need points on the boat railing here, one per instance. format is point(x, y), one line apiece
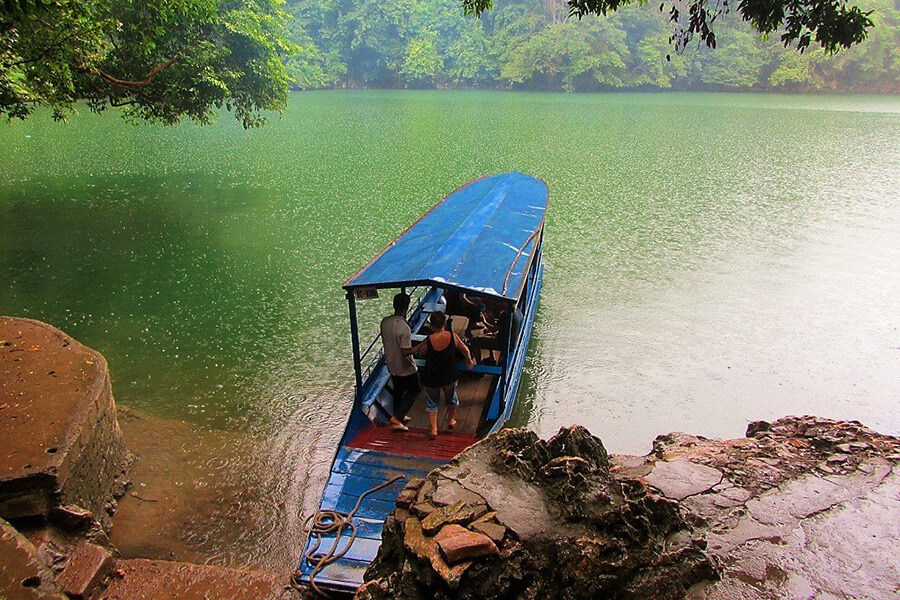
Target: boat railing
point(373, 363)
point(365, 353)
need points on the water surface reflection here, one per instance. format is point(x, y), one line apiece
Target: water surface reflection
point(711, 259)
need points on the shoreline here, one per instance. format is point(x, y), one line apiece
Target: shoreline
point(740, 502)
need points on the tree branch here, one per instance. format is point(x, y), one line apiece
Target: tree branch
point(138, 84)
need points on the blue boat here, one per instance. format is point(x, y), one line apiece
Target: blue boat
point(483, 240)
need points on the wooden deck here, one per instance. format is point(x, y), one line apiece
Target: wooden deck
point(473, 398)
point(414, 442)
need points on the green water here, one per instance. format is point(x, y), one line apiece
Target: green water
point(711, 259)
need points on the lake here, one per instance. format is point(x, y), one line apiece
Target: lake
point(711, 259)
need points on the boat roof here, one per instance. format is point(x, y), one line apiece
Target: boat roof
point(480, 238)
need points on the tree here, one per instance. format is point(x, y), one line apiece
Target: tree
point(162, 61)
point(832, 23)
point(165, 60)
point(421, 63)
point(736, 64)
point(472, 57)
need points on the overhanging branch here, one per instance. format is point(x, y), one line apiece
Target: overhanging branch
point(138, 84)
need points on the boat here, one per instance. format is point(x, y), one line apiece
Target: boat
point(485, 240)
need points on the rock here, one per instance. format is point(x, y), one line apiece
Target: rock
point(62, 440)
point(746, 518)
point(414, 484)
point(414, 538)
point(425, 491)
point(458, 544)
point(564, 477)
point(487, 517)
point(679, 479)
point(737, 494)
point(73, 518)
point(611, 537)
point(671, 445)
point(492, 530)
point(86, 569)
point(406, 497)
point(756, 427)
point(457, 513)
point(577, 442)
point(410, 492)
point(426, 548)
point(449, 491)
point(423, 509)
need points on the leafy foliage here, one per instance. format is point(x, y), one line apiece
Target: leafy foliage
point(535, 44)
point(422, 62)
point(834, 24)
point(162, 60)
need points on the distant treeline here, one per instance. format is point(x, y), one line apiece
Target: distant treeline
point(530, 44)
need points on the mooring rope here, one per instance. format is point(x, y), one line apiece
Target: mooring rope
point(326, 522)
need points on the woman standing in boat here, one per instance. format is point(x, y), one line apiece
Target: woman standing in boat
point(439, 373)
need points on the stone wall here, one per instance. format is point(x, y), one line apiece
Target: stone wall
point(62, 443)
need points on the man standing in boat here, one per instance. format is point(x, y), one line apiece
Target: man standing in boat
point(396, 335)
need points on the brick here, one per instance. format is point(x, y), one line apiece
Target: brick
point(492, 530)
point(459, 544)
point(86, 569)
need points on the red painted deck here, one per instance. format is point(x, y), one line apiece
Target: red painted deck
point(414, 442)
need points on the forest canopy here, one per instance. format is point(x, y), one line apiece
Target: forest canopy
point(537, 44)
point(164, 60)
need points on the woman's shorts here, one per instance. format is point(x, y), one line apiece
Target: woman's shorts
point(433, 396)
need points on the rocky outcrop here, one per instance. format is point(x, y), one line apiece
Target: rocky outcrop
point(61, 470)
point(803, 507)
point(800, 508)
point(62, 443)
point(518, 517)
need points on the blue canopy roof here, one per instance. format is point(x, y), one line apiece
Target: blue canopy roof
point(479, 238)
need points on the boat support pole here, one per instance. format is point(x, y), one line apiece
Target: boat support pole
point(507, 345)
point(354, 339)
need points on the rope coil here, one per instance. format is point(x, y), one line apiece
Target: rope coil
point(325, 522)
